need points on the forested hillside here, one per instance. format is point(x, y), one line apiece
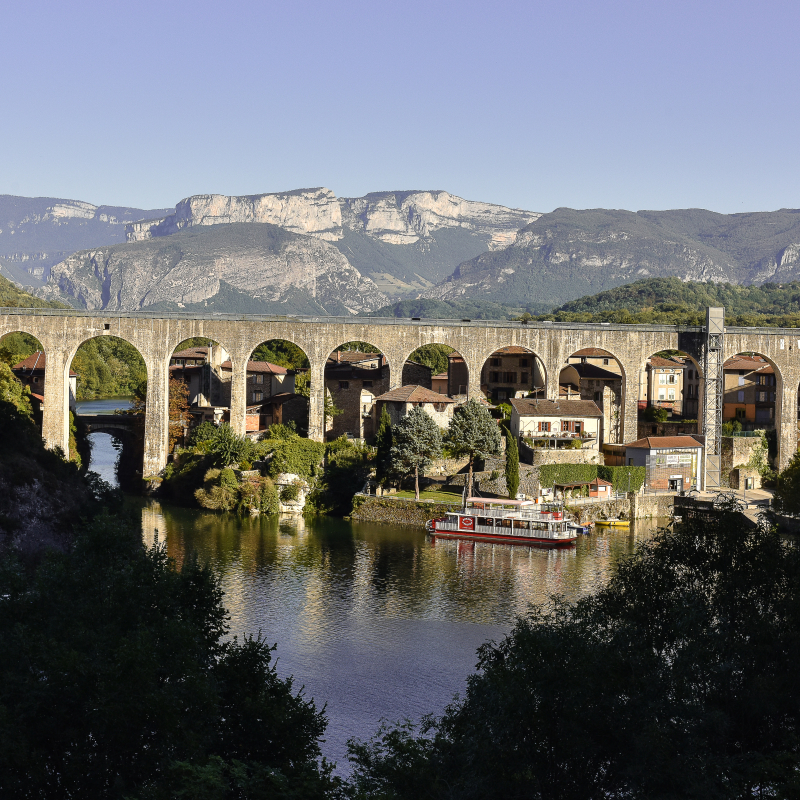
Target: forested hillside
point(12, 296)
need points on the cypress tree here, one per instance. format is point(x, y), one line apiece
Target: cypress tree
point(512, 465)
point(383, 441)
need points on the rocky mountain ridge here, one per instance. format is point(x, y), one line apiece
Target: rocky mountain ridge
point(567, 254)
point(391, 217)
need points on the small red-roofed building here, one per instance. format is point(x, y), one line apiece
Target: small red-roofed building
point(673, 463)
point(398, 402)
point(30, 372)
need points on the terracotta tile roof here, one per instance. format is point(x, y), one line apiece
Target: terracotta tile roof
point(658, 361)
point(342, 356)
point(181, 368)
point(191, 352)
point(556, 408)
point(440, 376)
point(258, 366)
point(665, 442)
point(593, 371)
point(513, 350)
point(594, 352)
point(414, 394)
point(36, 362)
point(744, 362)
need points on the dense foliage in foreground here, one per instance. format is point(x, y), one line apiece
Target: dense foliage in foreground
point(678, 680)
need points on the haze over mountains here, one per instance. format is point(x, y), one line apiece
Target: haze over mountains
point(309, 251)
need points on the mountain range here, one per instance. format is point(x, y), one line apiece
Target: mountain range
point(426, 253)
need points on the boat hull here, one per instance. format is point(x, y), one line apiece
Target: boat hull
point(494, 537)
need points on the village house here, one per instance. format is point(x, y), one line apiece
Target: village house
point(673, 463)
point(353, 381)
point(749, 391)
point(30, 372)
point(592, 374)
point(511, 372)
point(457, 376)
point(557, 424)
point(398, 402)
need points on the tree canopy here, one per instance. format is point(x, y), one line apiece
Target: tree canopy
point(473, 432)
point(677, 680)
point(416, 441)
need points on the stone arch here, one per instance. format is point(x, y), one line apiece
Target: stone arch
point(458, 371)
point(278, 393)
point(354, 377)
point(678, 373)
point(136, 372)
point(523, 362)
point(746, 377)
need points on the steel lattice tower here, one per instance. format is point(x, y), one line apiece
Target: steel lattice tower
point(714, 391)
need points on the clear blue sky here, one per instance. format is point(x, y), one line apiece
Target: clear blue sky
point(530, 104)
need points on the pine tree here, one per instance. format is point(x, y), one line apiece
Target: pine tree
point(417, 440)
point(383, 442)
point(512, 465)
point(472, 433)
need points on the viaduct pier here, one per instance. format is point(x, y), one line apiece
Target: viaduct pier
point(156, 335)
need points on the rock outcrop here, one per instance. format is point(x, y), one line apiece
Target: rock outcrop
point(283, 272)
point(392, 217)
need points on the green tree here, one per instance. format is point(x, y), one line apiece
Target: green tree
point(655, 414)
point(17, 346)
point(512, 465)
point(383, 445)
point(120, 681)
point(12, 391)
point(473, 432)
point(417, 440)
point(786, 498)
point(433, 356)
point(676, 680)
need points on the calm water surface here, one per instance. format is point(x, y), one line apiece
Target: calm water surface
point(374, 620)
point(104, 453)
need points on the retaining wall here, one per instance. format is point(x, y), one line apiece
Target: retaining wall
point(398, 510)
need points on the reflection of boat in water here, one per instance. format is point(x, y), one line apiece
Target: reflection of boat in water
point(509, 521)
point(613, 523)
point(578, 528)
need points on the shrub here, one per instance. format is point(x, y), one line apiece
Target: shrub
point(202, 433)
point(228, 448)
point(655, 414)
point(297, 456)
point(245, 465)
point(220, 490)
point(279, 430)
point(290, 493)
point(258, 494)
point(575, 444)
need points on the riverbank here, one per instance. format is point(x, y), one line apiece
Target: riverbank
point(398, 510)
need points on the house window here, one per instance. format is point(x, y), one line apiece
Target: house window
point(598, 395)
point(258, 397)
point(523, 378)
point(344, 384)
point(36, 380)
point(662, 394)
point(523, 362)
point(741, 380)
point(605, 362)
point(630, 462)
point(495, 362)
point(671, 394)
point(509, 377)
point(671, 379)
point(662, 379)
point(367, 384)
point(740, 413)
point(544, 427)
point(583, 359)
point(740, 396)
point(493, 377)
point(439, 406)
point(762, 397)
point(258, 379)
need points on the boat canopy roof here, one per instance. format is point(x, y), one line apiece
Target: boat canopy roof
point(500, 501)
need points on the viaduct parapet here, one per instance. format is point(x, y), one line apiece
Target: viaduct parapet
point(156, 336)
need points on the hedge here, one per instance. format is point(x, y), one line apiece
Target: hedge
point(618, 476)
point(550, 474)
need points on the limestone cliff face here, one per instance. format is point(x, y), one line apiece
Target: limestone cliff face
point(311, 211)
point(407, 217)
point(283, 271)
point(392, 217)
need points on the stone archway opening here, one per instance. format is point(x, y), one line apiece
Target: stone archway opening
point(22, 373)
point(108, 377)
point(513, 372)
point(449, 374)
point(357, 374)
point(597, 376)
point(750, 389)
point(670, 390)
point(277, 387)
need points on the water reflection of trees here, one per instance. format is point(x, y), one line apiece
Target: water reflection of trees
point(330, 568)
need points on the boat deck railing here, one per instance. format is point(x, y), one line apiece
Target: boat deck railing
point(516, 513)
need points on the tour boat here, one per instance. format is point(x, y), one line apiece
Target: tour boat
point(508, 521)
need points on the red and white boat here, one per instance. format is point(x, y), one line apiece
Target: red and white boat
point(498, 520)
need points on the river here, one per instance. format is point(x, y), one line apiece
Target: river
point(376, 621)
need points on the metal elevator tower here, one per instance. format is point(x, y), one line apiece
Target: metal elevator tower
point(714, 390)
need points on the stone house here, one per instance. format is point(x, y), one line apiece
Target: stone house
point(589, 381)
point(511, 372)
point(398, 402)
point(673, 463)
point(671, 383)
point(556, 424)
point(457, 376)
point(749, 391)
point(30, 373)
point(354, 380)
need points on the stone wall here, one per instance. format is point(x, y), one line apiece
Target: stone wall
point(397, 510)
point(536, 456)
point(634, 507)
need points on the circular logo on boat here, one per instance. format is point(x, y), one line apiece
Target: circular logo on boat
point(466, 523)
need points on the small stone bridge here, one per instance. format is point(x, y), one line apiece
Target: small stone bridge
point(156, 335)
point(114, 424)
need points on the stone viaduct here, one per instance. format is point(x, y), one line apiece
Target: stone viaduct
point(155, 335)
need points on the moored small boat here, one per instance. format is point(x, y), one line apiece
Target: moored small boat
point(508, 521)
point(613, 523)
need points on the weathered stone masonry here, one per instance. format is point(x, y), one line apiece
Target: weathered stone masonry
point(61, 332)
